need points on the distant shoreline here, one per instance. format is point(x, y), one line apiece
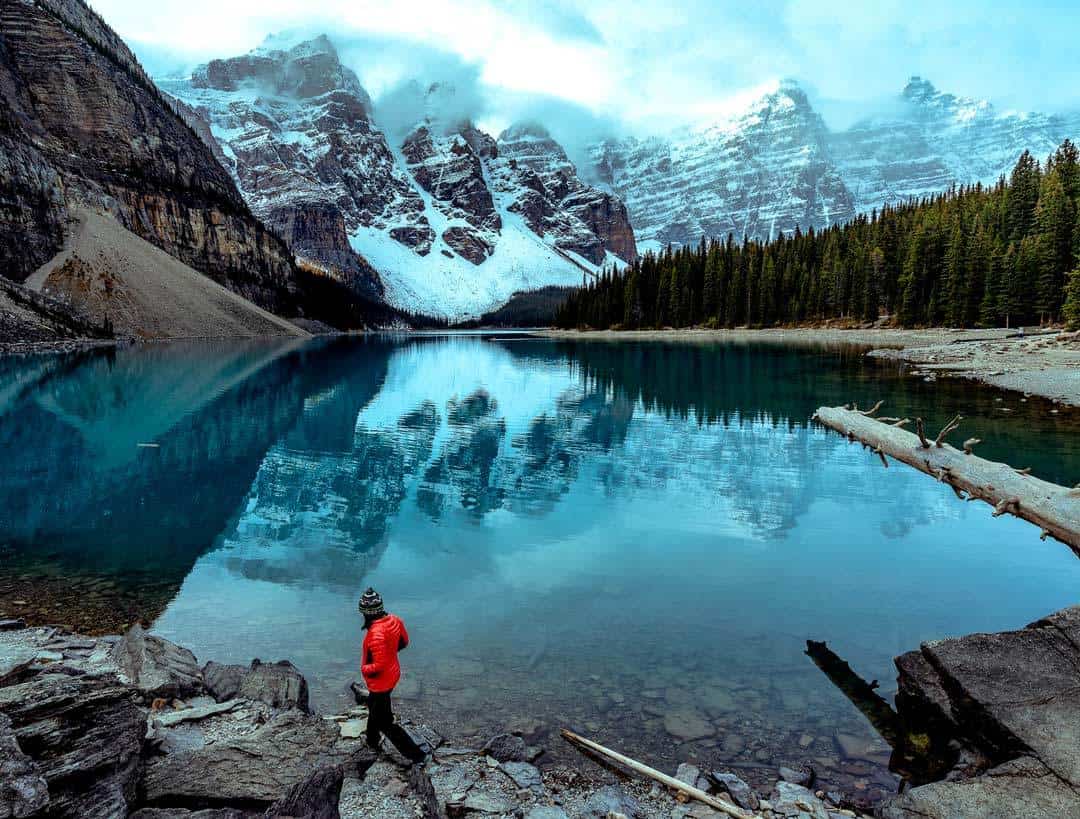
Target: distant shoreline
point(1043, 364)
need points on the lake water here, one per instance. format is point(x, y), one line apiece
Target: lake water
point(634, 539)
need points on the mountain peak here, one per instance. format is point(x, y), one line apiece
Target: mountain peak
point(305, 69)
point(524, 130)
point(919, 90)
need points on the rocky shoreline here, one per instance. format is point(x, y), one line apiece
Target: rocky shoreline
point(133, 725)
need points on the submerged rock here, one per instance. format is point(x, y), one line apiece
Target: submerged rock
point(688, 724)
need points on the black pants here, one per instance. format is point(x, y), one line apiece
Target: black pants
point(381, 721)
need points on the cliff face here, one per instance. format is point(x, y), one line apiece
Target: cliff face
point(81, 125)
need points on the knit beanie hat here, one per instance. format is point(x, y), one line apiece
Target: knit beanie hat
point(371, 602)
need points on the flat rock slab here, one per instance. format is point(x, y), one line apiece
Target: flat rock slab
point(259, 767)
point(168, 719)
point(1021, 788)
point(1018, 691)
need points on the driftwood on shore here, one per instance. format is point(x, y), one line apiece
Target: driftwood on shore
point(1054, 509)
point(670, 781)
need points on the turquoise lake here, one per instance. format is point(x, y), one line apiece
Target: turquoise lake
point(634, 539)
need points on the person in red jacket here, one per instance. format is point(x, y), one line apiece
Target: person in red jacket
point(384, 637)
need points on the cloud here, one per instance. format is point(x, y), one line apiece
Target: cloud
point(653, 59)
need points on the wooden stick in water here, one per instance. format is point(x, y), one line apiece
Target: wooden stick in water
point(662, 778)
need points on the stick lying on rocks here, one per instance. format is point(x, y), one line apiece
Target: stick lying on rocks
point(662, 778)
point(1054, 509)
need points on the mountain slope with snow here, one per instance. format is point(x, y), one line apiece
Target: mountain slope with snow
point(774, 164)
point(434, 220)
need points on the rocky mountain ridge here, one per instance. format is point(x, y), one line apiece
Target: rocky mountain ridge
point(453, 220)
point(82, 126)
point(775, 163)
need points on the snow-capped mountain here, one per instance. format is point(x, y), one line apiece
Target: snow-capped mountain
point(443, 220)
point(761, 171)
point(774, 164)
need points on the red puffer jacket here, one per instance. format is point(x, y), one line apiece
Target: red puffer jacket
point(379, 661)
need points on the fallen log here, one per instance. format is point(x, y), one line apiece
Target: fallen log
point(675, 784)
point(1054, 509)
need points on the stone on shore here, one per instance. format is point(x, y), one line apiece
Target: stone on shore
point(168, 719)
point(156, 667)
point(506, 748)
point(523, 775)
point(741, 793)
point(223, 681)
point(279, 685)
point(612, 799)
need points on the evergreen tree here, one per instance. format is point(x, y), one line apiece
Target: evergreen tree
point(1071, 310)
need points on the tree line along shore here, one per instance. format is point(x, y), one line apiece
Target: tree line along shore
point(1006, 255)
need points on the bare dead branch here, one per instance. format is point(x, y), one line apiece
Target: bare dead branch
point(1011, 505)
point(949, 427)
point(920, 430)
point(868, 413)
point(970, 444)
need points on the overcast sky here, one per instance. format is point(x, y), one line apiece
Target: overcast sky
point(643, 59)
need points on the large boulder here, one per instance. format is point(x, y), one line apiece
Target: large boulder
point(316, 797)
point(1007, 694)
point(1020, 788)
point(1010, 700)
point(222, 682)
point(156, 667)
point(280, 685)
point(23, 789)
point(84, 735)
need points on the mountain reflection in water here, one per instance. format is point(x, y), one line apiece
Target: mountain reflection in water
point(635, 538)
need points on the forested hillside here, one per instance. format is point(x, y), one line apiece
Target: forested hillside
point(973, 256)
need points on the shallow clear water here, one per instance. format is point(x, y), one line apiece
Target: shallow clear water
point(635, 539)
